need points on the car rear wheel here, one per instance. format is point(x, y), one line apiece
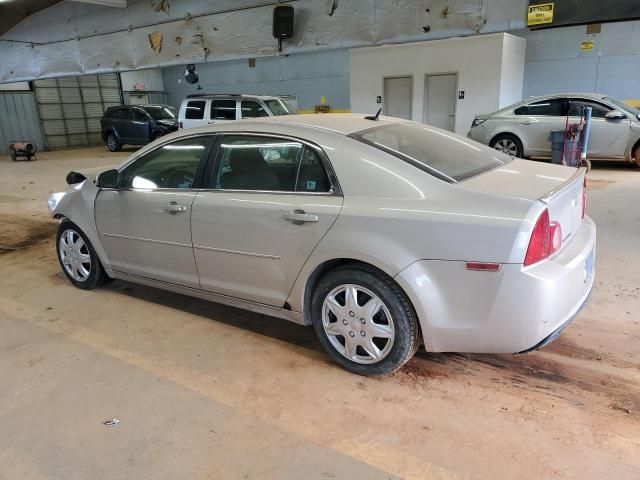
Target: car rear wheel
point(78, 259)
point(636, 155)
point(364, 321)
point(509, 144)
point(113, 144)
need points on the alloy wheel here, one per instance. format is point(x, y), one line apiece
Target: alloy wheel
point(112, 143)
point(74, 255)
point(506, 145)
point(358, 324)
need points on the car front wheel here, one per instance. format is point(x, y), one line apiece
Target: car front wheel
point(113, 144)
point(364, 321)
point(509, 144)
point(77, 257)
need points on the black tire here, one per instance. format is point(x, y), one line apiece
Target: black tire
point(97, 276)
point(508, 138)
point(113, 144)
point(156, 135)
point(406, 337)
point(636, 156)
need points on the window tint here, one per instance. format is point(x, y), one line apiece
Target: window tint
point(195, 110)
point(140, 116)
point(251, 109)
point(312, 176)
point(170, 166)
point(444, 155)
point(123, 114)
point(280, 107)
point(223, 110)
point(551, 107)
point(257, 163)
point(597, 109)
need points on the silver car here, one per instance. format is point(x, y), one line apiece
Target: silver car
point(523, 129)
point(381, 233)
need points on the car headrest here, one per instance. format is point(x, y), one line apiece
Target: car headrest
point(247, 160)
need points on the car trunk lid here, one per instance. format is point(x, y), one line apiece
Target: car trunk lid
point(559, 188)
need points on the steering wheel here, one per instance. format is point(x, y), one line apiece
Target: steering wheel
point(178, 178)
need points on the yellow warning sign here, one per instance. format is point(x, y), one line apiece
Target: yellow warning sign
point(540, 14)
point(587, 45)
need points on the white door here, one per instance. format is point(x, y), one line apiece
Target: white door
point(440, 101)
point(398, 95)
point(194, 113)
point(607, 138)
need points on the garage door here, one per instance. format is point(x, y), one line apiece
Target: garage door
point(70, 108)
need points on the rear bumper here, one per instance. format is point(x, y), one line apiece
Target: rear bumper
point(514, 310)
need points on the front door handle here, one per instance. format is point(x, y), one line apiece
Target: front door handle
point(173, 207)
point(299, 216)
point(526, 122)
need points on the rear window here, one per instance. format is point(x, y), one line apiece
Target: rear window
point(195, 110)
point(443, 154)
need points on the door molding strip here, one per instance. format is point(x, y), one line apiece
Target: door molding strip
point(150, 240)
point(238, 252)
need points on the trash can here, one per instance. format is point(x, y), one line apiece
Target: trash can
point(557, 144)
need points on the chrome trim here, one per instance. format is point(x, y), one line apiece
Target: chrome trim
point(150, 240)
point(238, 252)
point(330, 193)
point(549, 196)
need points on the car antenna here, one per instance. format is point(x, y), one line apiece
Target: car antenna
point(374, 117)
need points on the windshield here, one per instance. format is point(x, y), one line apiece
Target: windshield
point(280, 107)
point(443, 154)
point(624, 107)
point(161, 113)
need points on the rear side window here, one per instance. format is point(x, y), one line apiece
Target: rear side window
point(251, 109)
point(269, 164)
point(445, 155)
point(110, 113)
point(140, 116)
point(550, 108)
point(223, 109)
point(195, 110)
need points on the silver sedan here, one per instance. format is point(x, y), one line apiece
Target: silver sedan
point(523, 129)
point(381, 233)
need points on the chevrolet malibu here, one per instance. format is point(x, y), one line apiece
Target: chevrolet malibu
point(383, 234)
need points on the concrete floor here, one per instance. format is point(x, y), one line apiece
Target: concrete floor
point(206, 391)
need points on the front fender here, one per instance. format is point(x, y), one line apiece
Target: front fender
point(77, 204)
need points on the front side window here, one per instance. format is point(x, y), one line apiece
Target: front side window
point(161, 112)
point(223, 110)
point(140, 116)
point(171, 166)
point(444, 155)
point(251, 109)
point(280, 107)
point(548, 108)
point(597, 109)
point(195, 110)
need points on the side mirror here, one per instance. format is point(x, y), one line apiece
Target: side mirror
point(108, 179)
point(615, 115)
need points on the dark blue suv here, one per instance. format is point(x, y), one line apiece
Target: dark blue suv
point(137, 124)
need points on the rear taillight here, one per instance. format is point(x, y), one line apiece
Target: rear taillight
point(584, 196)
point(546, 238)
point(180, 125)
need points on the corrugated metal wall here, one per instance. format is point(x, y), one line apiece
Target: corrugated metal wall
point(70, 108)
point(19, 120)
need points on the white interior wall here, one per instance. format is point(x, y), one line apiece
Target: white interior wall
point(477, 60)
point(512, 70)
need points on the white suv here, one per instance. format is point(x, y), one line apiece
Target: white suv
point(204, 109)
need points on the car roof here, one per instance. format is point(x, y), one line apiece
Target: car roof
point(343, 123)
point(228, 95)
point(590, 96)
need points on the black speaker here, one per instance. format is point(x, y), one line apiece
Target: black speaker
point(283, 21)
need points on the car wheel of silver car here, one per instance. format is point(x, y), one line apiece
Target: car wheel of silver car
point(364, 320)
point(77, 257)
point(113, 144)
point(509, 144)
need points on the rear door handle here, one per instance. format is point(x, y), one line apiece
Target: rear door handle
point(173, 207)
point(298, 217)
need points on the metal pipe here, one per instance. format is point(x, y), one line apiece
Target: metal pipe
point(585, 133)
